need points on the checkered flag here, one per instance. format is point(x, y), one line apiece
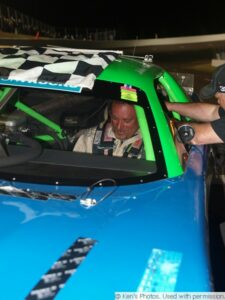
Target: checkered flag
point(61, 66)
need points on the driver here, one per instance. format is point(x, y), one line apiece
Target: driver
point(119, 135)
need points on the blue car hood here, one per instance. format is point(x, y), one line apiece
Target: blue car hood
point(154, 228)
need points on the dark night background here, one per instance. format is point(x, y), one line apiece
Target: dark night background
point(143, 19)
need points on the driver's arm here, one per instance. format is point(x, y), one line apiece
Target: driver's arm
point(85, 141)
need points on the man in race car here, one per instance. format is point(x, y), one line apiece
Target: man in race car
point(119, 135)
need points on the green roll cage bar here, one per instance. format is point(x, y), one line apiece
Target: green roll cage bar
point(7, 92)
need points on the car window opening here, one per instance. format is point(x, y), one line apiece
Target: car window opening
point(54, 120)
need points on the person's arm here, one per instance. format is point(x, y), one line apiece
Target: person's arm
point(85, 141)
point(203, 134)
point(204, 112)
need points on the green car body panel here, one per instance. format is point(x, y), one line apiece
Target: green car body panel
point(137, 74)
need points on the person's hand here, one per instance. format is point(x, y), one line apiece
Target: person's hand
point(168, 106)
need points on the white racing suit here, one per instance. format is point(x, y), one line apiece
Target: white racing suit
point(101, 140)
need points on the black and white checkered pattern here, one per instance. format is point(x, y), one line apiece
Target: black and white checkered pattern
point(63, 66)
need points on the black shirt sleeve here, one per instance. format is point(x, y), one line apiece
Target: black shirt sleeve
point(221, 112)
point(219, 125)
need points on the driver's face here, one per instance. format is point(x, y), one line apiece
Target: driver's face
point(123, 119)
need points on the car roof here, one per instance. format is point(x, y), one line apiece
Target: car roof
point(72, 70)
point(132, 71)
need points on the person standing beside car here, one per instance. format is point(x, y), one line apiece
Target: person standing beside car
point(209, 124)
point(119, 135)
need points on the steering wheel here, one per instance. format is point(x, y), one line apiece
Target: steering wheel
point(31, 149)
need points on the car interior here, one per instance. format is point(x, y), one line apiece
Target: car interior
point(38, 130)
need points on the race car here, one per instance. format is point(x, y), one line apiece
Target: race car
point(85, 225)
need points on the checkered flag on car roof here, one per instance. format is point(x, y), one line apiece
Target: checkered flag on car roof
point(56, 66)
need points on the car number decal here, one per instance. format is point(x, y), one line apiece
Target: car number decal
point(35, 195)
point(56, 277)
